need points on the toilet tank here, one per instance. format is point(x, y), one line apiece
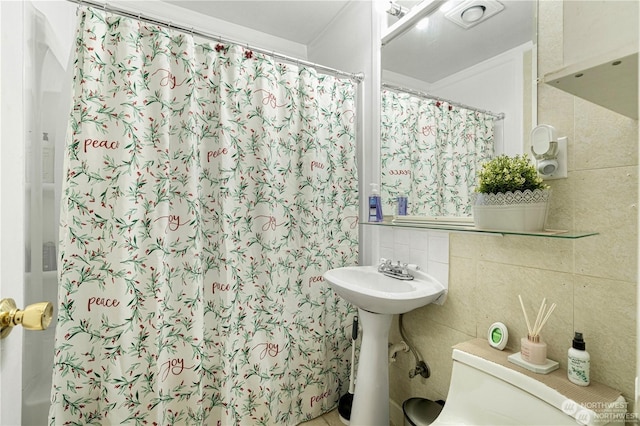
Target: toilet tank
point(485, 393)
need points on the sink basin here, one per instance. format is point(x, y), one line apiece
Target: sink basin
point(378, 297)
point(368, 289)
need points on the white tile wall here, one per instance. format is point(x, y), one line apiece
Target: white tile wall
point(426, 248)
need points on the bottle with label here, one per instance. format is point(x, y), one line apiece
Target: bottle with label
point(402, 204)
point(49, 256)
point(578, 362)
point(375, 204)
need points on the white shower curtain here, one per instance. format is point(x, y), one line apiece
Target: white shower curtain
point(206, 189)
point(430, 151)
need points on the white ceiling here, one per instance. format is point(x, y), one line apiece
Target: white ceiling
point(445, 48)
point(442, 50)
point(300, 21)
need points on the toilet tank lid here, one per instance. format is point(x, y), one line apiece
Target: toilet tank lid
point(515, 378)
point(539, 389)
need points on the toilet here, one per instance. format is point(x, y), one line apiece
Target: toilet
point(484, 392)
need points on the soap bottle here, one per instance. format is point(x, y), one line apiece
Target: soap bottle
point(402, 204)
point(49, 256)
point(375, 204)
point(578, 362)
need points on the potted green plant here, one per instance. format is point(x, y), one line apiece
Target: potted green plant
point(510, 196)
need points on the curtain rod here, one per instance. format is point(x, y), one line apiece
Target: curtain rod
point(357, 77)
point(496, 116)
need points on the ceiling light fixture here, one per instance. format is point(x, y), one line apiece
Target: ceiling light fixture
point(396, 10)
point(417, 12)
point(472, 14)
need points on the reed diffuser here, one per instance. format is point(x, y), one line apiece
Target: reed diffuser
point(532, 348)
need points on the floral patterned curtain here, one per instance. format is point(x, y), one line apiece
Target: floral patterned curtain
point(207, 189)
point(430, 151)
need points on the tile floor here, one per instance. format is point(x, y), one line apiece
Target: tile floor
point(332, 418)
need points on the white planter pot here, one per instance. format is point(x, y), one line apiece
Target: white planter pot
point(511, 211)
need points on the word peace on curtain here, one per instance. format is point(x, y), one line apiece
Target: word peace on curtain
point(206, 190)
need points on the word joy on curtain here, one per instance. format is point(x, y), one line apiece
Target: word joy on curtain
point(206, 190)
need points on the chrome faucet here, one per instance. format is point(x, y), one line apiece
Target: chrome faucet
point(398, 271)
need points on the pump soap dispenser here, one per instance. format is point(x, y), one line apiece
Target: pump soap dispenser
point(375, 204)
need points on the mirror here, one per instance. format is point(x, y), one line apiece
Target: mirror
point(457, 83)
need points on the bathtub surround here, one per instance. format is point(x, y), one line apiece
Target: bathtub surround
point(207, 188)
point(593, 280)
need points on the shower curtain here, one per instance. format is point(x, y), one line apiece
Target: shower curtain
point(206, 190)
point(430, 151)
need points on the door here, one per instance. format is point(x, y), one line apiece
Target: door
point(11, 202)
point(36, 44)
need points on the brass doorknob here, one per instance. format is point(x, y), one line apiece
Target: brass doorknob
point(34, 317)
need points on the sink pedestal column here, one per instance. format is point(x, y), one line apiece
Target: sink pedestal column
point(371, 395)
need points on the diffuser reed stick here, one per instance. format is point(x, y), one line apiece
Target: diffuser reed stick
point(541, 318)
point(526, 318)
point(546, 317)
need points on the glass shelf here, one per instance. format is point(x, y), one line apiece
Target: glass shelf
point(469, 229)
point(45, 186)
point(45, 274)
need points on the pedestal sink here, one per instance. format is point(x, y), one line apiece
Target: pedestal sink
point(378, 297)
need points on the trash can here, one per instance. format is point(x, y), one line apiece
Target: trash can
point(420, 411)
